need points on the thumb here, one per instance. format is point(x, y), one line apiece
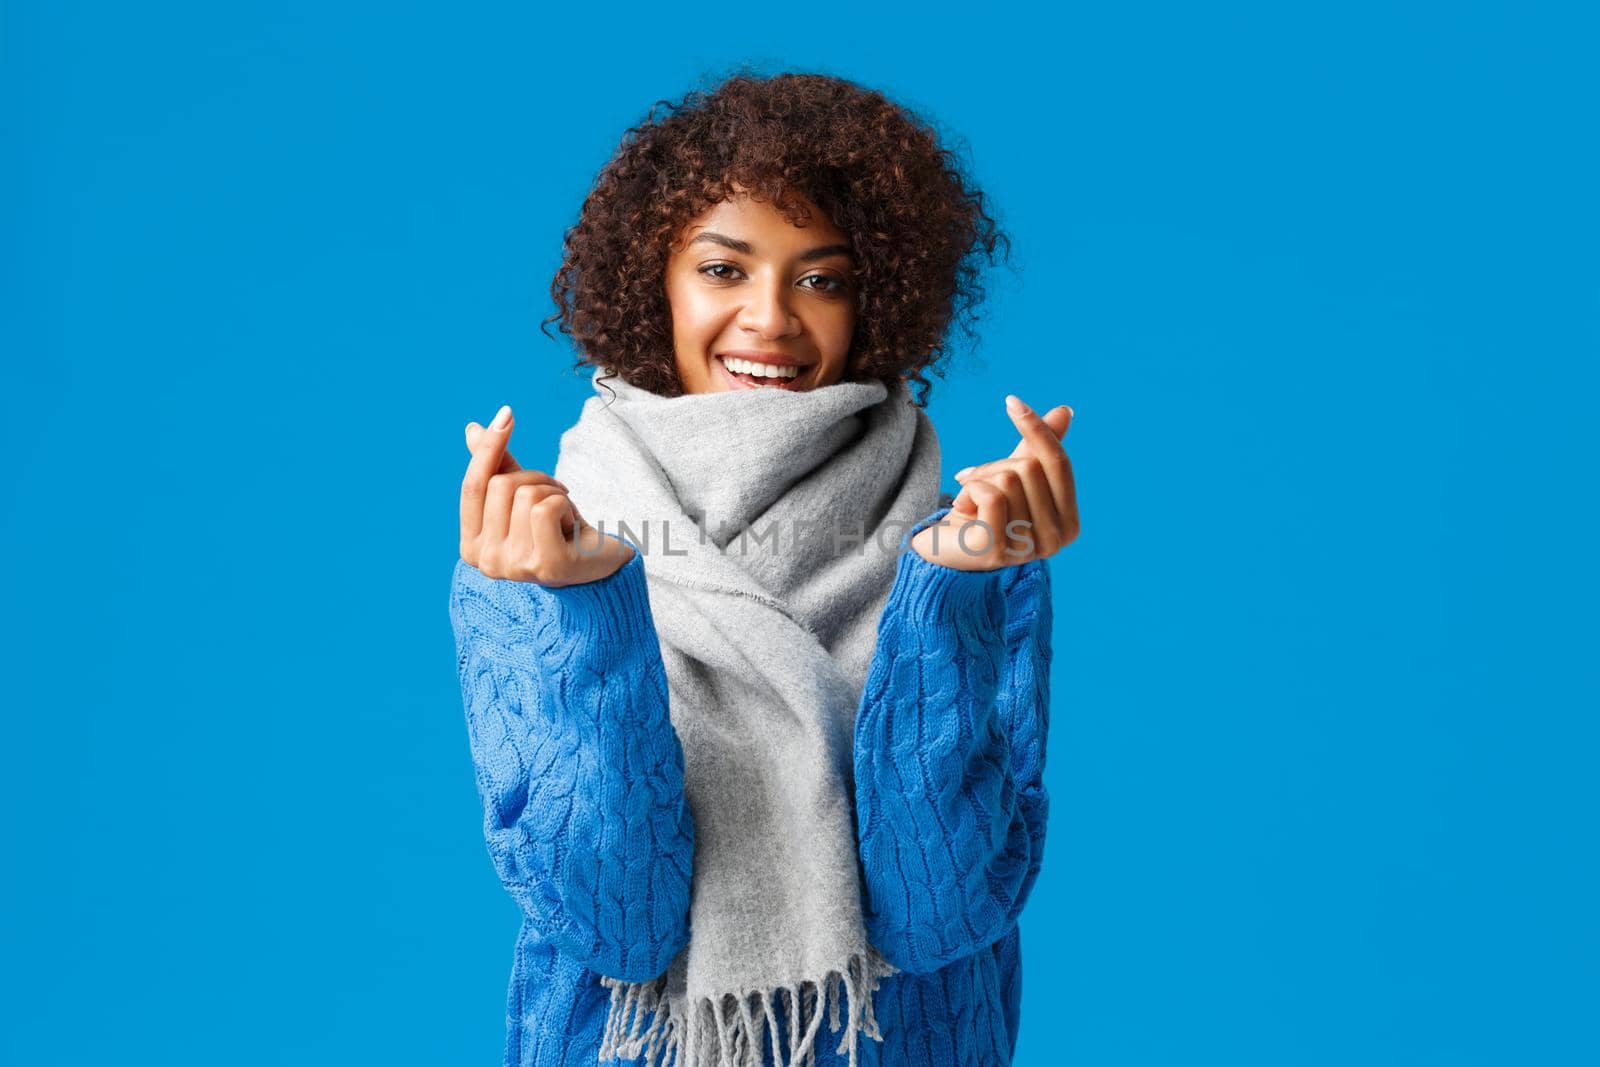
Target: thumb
point(476, 438)
point(1058, 418)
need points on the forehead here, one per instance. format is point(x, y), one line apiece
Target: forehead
point(762, 226)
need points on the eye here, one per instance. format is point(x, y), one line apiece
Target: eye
point(834, 284)
point(710, 267)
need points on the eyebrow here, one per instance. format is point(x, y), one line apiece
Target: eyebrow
point(820, 252)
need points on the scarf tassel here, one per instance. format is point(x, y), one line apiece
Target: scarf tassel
point(730, 1031)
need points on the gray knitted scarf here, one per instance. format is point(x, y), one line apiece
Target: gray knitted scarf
point(770, 524)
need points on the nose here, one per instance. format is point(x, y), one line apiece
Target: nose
point(767, 313)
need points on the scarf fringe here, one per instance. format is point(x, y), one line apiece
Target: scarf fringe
point(729, 1031)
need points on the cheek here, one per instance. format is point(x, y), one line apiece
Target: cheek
point(695, 314)
point(841, 328)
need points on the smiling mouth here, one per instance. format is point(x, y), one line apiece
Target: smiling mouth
point(748, 374)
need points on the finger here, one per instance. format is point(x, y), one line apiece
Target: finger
point(1042, 515)
point(1010, 481)
point(1058, 418)
point(1039, 438)
point(1066, 497)
point(1045, 446)
point(1063, 499)
point(508, 462)
point(485, 463)
point(551, 521)
point(983, 470)
point(963, 503)
point(976, 543)
point(1042, 506)
point(501, 495)
point(520, 543)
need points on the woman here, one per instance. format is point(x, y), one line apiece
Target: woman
point(736, 788)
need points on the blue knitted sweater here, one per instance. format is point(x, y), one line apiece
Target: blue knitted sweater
point(581, 777)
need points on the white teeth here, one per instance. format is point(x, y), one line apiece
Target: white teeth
point(760, 370)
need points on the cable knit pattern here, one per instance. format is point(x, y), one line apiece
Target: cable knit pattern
point(581, 778)
point(952, 823)
point(579, 770)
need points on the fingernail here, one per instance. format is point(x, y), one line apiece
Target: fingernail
point(1015, 405)
point(501, 417)
point(962, 473)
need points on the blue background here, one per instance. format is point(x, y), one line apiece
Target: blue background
point(1321, 285)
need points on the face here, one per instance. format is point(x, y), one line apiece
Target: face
point(759, 303)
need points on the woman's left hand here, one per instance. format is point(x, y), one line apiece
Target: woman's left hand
point(1027, 501)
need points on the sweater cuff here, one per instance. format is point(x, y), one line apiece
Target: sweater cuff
point(615, 608)
point(933, 594)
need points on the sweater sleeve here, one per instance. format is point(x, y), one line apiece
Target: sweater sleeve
point(949, 758)
point(578, 767)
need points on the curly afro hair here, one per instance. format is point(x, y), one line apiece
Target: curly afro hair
point(916, 223)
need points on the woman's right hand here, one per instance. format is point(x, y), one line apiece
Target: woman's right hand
point(521, 524)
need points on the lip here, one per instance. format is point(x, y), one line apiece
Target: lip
point(792, 385)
